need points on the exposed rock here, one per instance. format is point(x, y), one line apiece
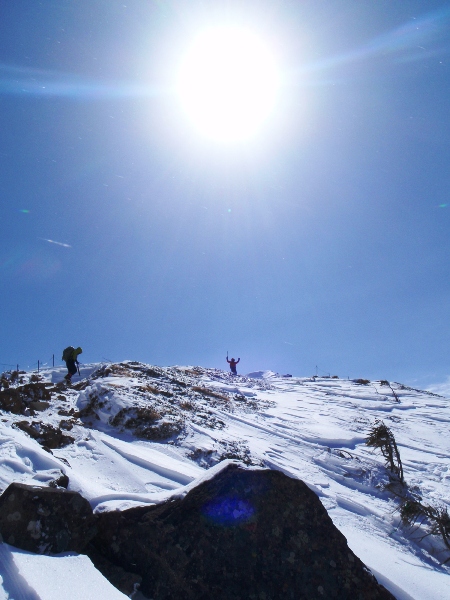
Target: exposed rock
point(45, 520)
point(80, 385)
point(243, 535)
point(46, 435)
point(10, 377)
point(11, 401)
point(35, 391)
point(69, 413)
point(62, 481)
point(17, 400)
point(38, 405)
point(61, 386)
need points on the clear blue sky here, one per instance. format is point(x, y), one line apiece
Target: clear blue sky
point(322, 240)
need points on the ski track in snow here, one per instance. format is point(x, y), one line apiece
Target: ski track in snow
point(312, 429)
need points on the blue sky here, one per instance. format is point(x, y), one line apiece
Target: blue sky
point(323, 240)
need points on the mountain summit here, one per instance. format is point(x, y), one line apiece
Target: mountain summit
point(130, 435)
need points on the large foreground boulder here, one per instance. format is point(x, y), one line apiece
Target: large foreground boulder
point(45, 520)
point(243, 535)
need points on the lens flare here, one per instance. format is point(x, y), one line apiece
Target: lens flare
point(229, 511)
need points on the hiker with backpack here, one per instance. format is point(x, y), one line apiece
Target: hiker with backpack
point(70, 357)
point(233, 364)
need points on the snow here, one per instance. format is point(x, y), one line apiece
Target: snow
point(310, 428)
point(262, 374)
point(27, 576)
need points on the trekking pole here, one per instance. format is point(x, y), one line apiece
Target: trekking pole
point(78, 368)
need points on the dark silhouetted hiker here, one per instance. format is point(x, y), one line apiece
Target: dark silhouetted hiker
point(70, 357)
point(233, 364)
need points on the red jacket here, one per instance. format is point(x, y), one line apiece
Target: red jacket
point(233, 362)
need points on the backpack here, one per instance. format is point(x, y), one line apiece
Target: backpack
point(68, 353)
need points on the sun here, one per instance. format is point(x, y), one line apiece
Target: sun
point(228, 83)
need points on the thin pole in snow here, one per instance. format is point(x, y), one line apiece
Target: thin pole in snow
point(38, 366)
point(53, 360)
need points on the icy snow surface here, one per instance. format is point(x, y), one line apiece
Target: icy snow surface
point(313, 429)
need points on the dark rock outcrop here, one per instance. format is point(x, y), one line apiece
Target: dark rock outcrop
point(18, 400)
point(48, 436)
point(38, 405)
point(11, 401)
point(243, 535)
point(35, 391)
point(44, 519)
point(62, 481)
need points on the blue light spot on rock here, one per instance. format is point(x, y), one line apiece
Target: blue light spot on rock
point(229, 511)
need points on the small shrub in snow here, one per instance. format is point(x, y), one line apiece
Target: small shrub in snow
point(413, 511)
point(211, 393)
point(147, 422)
point(112, 369)
point(385, 382)
point(133, 416)
point(380, 436)
point(186, 405)
point(155, 391)
point(206, 418)
point(14, 376)
point(162, 430)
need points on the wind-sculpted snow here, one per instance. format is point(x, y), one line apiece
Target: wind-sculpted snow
point(142, 434)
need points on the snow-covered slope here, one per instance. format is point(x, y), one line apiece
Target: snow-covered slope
point(142, 434)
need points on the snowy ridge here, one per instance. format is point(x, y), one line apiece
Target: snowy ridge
point(143, 434)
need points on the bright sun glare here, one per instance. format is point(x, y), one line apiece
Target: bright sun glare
point(228, 83)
